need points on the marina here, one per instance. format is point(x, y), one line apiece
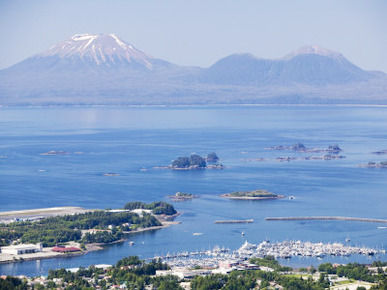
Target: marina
point(282, 250)
point(288, 249)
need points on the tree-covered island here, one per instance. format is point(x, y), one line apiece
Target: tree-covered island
point(195, 161)
point(258, 194)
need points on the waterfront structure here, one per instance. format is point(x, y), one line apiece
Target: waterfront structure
point(224, 260)
point(61, 249)
point(22, 249)
point(288, 249)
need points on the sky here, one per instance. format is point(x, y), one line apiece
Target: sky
point(200, 32)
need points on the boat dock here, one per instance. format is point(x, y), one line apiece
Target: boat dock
point(284, 249)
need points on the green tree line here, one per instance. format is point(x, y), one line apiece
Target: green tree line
point(56, 230)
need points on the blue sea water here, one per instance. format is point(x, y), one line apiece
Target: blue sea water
point(128, 140)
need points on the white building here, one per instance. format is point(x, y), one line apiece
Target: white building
point(183, 273)
point(22, 249)
point(140, 211)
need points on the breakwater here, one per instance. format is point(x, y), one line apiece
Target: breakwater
point(234, 221)
point(326, 218)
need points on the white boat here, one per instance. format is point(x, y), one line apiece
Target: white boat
point(131, 243)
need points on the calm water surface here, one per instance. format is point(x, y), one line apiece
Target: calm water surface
point(126, 140)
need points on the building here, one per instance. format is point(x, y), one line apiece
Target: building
point(183, 273)
point(22, 249)
point(61, 249)
point(140, 211)
point(227, 264)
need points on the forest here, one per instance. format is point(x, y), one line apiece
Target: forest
point(52, 231)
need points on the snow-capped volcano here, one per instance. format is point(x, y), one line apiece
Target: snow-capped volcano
point(103, 69)
point(100, 49)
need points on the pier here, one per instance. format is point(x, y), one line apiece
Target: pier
point(326, 218)
point(234, 221)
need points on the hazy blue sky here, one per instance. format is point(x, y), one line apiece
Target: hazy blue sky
point(200, 32)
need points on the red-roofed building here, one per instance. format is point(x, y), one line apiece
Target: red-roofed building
point(66, 249)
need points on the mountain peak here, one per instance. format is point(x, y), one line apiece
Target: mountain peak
point(99, 49)
point(314, 49)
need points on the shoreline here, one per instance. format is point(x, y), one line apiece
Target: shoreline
point(164, 224)
point(47, 252)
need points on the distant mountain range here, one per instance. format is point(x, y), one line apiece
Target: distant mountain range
point(103, 69)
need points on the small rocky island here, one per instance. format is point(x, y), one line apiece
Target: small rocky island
point(300, 147)
point(181, 196)
point(382, 164)
point(323, 157)
point(258, 194)
point(381, 152)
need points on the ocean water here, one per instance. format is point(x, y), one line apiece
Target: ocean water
point(132, 141)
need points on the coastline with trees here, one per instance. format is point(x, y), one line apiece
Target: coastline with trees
point(86, 231)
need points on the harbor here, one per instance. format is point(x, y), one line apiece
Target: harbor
point(280, 250)
point(289, 249)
